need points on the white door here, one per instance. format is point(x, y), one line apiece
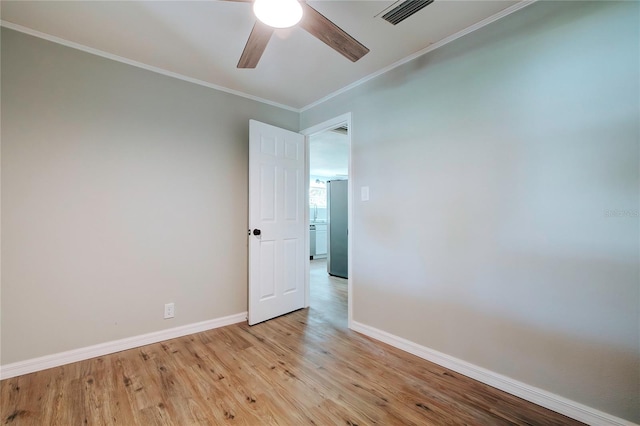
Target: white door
point(276, 221)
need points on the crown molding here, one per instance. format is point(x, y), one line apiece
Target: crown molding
point(137, 64)
point(505, 12)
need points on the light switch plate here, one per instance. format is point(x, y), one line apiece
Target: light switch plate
point(364, 193)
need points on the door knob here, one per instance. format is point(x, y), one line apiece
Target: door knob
point(256, 232)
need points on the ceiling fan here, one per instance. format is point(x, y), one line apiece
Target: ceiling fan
point(274, 14)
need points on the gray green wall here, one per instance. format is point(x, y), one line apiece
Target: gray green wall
point(493, 165)
point(122, 190)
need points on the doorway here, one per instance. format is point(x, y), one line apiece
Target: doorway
point(328, 282)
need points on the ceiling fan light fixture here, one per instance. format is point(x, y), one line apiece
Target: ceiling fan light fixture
point(278, 13)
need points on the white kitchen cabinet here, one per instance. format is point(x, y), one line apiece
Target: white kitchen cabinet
point(321, 239)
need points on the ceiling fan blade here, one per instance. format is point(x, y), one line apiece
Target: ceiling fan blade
point(258, 39)
point(329, 33)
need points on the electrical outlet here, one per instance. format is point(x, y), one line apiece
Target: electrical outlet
point(169, 310)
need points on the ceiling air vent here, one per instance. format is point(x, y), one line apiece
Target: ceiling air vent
point(342, 130)
point(404, 10)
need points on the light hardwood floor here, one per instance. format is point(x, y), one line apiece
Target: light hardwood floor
point(301, 368)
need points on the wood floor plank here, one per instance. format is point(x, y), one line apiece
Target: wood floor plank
point(305, 368)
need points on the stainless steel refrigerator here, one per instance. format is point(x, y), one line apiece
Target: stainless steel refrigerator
point(337, 202)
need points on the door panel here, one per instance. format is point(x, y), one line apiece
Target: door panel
point(291, 201)
point(276, 208)
point(291, 265)
point(268, 192)
point(268, 274)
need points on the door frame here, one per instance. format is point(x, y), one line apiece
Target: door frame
point(341, 120)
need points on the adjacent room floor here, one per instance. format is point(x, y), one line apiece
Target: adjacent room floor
point(301, 368)
point(328, 295)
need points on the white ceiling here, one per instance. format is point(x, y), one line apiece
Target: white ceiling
point(203, 40)
point(329, 154)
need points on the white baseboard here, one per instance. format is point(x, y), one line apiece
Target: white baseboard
point(75, 355)
point(538, 396)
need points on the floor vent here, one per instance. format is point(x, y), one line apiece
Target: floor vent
point(404, 10)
